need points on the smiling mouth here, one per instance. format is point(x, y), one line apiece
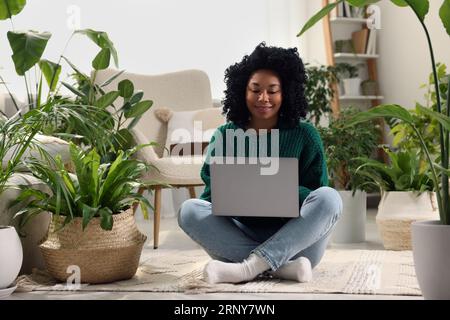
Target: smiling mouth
point(263, 108)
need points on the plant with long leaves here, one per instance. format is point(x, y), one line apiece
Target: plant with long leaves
point(16, 136)
point(404, 173)
point(420, 8)
point(95, 190)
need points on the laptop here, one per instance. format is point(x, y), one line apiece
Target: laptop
point(255, 187)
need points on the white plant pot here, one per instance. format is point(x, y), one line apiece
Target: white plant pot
point(352, 86)
point(397, 210)
point(430, 241)
point(11, 256)
point(351, 227)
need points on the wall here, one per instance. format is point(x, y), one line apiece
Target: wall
point(158, 36)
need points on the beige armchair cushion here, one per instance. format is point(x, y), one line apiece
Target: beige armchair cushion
point(189, 132)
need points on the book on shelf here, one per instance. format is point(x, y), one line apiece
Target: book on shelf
point(372, 42)
point(347, 10)
point(359, 39)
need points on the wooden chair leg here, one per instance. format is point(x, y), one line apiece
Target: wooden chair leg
point(192, 192)
point(157, 217)
point(141, 192)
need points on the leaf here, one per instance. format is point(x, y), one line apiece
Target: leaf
point(10, 8)
point(360, 3)
point(382, 111)
point(101, 60)
point(400, 3)
point(443, 119)
point(106, 219)
point(101, 39)
point(27, 47)
point(126, 88)
point(74, 90)
point(88, 214)
point(51, 72)
point(318, 16)
point(420, 7)
point(107, 99)
point(104, 84)
point(136, 97)
point(444, 13)
point(138, 109)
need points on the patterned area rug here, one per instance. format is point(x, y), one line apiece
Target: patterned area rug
point(340, 271)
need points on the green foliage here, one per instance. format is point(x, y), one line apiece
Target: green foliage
point(342, 144)
point(404, 136)
point(27, 48)
point(346, 70)
point(95, 190)
point(9, 8)
point(16, 136)
point(404, 173)
point(318, 91)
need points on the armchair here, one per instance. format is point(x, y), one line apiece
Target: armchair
point(186, 90)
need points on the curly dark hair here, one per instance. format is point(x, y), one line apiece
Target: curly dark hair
point(287, 64)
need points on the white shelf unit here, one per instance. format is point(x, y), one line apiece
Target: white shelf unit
point(344, 97)
point(360, 56)
point(348, 20)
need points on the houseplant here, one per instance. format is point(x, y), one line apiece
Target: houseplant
point(93, 225)
point(16, 136)
point(430, 239)
point(318, 91)
point(406, 195)
point(340, 142)
point(348, 74)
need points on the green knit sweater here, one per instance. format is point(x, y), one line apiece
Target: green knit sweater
point(302, 142)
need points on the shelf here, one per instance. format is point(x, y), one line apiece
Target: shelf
point(361, 97)
point(356, 56)
point(348, 20)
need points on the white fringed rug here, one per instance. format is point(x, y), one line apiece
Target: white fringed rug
point(340, 271)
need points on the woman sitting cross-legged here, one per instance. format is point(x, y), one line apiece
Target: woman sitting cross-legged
point(265, 91)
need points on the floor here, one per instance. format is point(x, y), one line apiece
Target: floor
point(172, 237)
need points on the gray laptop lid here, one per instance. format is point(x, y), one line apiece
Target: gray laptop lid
point(251, 187)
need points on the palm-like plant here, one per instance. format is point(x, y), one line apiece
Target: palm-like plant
point(420, 9)
point(95, 190)
point(16, 136)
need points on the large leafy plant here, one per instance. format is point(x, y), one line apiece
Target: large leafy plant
point(92, 117)
point(403, 173)
point(440, 181)
point(403, 134)
point(343, 144)
point(95, 190)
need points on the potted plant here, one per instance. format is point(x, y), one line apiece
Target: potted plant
point(318, 91)
point(341, 144)
point(348, 73)
point(16, 136)
point(429, 238)
point(93, 224)
point(406, 195)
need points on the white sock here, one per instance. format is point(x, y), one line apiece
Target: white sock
point(298, 270)
point(217, 271)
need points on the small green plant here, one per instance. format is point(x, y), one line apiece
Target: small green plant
point(318, 91)
point(346, 70)
point(95, 190)
point(343, 144)
point(16, 136)
point(404, 173)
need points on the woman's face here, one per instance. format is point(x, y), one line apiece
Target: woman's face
point(264, 96)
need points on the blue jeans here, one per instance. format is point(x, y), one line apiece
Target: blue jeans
point(276, 240)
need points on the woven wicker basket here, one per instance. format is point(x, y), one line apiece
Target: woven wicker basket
point(396, 212)
point(102, 256)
